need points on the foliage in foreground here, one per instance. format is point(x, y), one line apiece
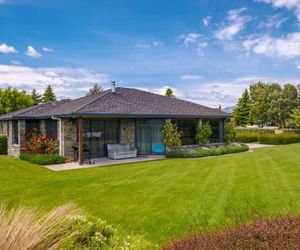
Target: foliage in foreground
point(43, 159)
point(280, 233)
point(247, 138)
point(201, 152)
point(230, 133)
point(3, 145)
point(41, 144)
point(62, 228)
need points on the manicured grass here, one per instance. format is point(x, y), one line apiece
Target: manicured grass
point(163, 199)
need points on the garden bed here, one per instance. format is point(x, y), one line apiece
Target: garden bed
point(199, 152)
point(43, 159)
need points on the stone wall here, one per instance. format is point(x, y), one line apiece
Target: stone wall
point(16, 149)
point(127, 131)
point(67, 137)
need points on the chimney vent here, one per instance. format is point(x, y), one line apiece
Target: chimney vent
point(220, 106)
point(113, 86)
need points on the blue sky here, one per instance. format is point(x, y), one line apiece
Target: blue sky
point(208, 51)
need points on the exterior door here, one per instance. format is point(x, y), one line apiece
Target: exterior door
point(98, 133)
point(149, 136)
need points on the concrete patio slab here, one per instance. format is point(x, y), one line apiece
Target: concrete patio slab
point(102, 162)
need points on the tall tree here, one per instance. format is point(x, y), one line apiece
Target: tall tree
point(294, 121)
point(94, 90)
point(49, 95)
point(241, 112)
point(36, 97)
point(13, 99)
point(169, 92)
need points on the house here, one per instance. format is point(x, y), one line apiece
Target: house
point(117, 115)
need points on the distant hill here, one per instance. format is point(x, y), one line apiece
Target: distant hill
point(229, 109)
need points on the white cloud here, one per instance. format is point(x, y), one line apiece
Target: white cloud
point(298, 66)
point(206, 20)
point(47, 49)
point(235, 23)
point(274, 21)
point(293, 5)
point(189, 77)
point(6, 49)
point(149, 45)
point(32, 52)
point(287, 46)
point(225, 93)
point(67, 82)
point(196, 40)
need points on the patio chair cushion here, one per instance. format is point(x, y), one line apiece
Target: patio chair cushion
point(120, 151)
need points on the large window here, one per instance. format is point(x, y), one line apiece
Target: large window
point(51, 128)
point(15, 132)
point(32, 126)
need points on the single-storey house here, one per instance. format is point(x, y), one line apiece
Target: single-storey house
point(117, 115)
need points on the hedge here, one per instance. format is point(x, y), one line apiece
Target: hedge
point(214, 151)
point(254, 130)
point(3, 145)
point(43, 159)
point(291, 131)
point(247, 138)
point(278, 139)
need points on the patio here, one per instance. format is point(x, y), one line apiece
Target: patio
point(102, 162)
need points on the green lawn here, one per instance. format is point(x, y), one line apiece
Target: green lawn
point(163, 199)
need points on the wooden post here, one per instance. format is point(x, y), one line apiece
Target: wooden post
point(80, 141)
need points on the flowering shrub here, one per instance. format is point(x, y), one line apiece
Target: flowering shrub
point(41, 144)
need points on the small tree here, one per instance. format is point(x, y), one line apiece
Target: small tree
point(172, 136)
point(203, 133)
point(36, 97)
point(295, 118)
point(230, 133)
point(169, 93)
point(49, 95)
point(94, 90)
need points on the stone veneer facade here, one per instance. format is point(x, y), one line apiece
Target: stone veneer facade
point(67, 135)
point(127, 131)
point(16, 149)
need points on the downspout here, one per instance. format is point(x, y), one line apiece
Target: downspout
point(60, 134)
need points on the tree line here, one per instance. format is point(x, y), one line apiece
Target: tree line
point(12, 99)
point(269, 104)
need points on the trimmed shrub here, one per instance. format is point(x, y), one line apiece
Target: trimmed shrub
point(291, 131)
point(280, 233)
point(254, 130)
point(3, 145)
point(203, 133)
point(214, 151)
point(41, 144)
point(278, 139)
point(247, 137)
point(43, 159)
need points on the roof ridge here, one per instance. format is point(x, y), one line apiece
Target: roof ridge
point(108, 91)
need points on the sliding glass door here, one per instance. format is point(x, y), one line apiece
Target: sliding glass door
point(149, 136)
point(99, 133)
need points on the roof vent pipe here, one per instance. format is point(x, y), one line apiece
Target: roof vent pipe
point(113, 86)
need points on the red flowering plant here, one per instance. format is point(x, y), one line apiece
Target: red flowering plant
point(40, 144)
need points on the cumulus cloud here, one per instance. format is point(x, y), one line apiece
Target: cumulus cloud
point(293, 5)
point(32, 52)
point(287, 46)
point(274, 21)
point(189, 77)
point(206, 20)
point(6, 49)
point(47, 49)
point(68, 82)
point(225, 93)
point(235, 22)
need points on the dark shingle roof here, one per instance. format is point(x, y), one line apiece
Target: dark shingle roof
point(124, 102)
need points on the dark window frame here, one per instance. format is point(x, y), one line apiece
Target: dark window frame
point(51, 127)
point(15, 132)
